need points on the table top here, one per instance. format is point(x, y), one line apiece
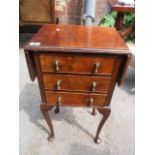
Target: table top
point(57, 37)
point(121, 8)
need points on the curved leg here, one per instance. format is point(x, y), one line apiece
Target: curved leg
point(105, 112)
point(94, 112)
point(57, 109)
point(44, 109)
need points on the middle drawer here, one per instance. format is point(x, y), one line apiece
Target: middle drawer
point(76, 83)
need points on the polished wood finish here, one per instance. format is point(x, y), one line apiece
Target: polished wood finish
point(75, 99)
point(77, 66)
point(123, 69)
point(76, 83)
point(44, 109)
point(31, 65)
point(80, 64)
point(80, 39)
point(39, 76)
point(105, 112)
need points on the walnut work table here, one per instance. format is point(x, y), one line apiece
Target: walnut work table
point(77, 66)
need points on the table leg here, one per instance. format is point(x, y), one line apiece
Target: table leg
point(57, 109)
point(129, 30)
point(44, 108)
point(119, 21)
point(105, 112)
point(94, 111)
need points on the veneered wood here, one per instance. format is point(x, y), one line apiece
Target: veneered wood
point(75, 99)
point(77, 50)
point(76, 83)
point(31, 65)
point(81, 64)
point(74, 66)
point(123, 68)
point(116, 72)
point(39, 76)
point(72, 38)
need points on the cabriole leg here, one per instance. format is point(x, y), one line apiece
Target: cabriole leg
point(105, 112)
point(44, 109)
point(94, 111)
point(57, 109)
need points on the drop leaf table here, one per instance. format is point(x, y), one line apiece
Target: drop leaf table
point(77, 66)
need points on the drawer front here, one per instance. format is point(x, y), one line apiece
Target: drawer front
point(75, 99)
point(81, 64)
point(76, 83)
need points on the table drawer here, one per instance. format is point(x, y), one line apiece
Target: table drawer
point(75, 99)
point(81, 64)
point(76, 83)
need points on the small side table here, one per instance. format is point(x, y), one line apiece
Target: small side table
point(77, 66)
point(121, 9)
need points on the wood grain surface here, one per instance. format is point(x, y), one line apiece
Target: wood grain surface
point(57, 37)
point(81, 64)
point(76, 83)
point(75, 99)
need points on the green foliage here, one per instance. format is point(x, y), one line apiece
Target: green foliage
point(129, 19)
point(108, 20)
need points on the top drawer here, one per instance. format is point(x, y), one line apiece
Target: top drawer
point(81, 64)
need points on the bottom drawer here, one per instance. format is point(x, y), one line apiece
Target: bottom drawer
point(75, 99)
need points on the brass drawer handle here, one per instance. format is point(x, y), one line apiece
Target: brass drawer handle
point(59, 100)
point(96, 66)
point(57, 65)
point(93, 87)
point(91, 101)
point(58, 85)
